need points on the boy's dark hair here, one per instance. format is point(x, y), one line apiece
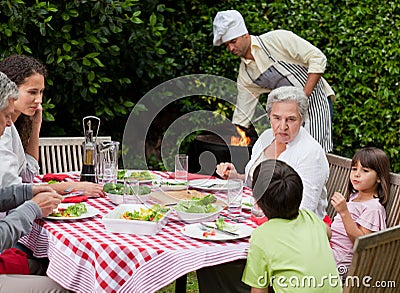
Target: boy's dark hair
point(278, 189)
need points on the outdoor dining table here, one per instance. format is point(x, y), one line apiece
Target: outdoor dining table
point(85, 257)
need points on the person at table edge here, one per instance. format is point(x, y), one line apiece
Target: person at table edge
point(276, 58)
point(25, 203)
point(289, 142)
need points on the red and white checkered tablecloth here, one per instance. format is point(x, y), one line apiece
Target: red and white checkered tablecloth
point(85, 257)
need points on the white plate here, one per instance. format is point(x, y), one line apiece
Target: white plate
point(194, 231)
point(128, 172)
point(209, 184)
point(91, 212)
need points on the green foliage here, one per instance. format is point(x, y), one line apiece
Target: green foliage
point(103, 56)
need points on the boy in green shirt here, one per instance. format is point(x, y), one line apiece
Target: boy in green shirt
point(291, 251)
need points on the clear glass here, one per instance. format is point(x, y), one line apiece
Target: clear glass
point(235, 194)
point(256, 211)
point(181, 167)
point(131, 191)
point(108, 162)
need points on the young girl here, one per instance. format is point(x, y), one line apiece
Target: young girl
point(362, 210)
point(19, 158)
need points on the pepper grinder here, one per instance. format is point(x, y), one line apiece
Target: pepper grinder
point(88, 172)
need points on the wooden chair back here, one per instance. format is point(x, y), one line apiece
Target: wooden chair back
point(62, 154)
point(375, 266)
point(339, 172)
point(393, 204)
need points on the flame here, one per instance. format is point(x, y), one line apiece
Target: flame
point(241, 140)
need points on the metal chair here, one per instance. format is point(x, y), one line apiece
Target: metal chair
point(62, 154)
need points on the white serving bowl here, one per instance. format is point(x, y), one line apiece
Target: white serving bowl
point(113, 222)
point(199, 217)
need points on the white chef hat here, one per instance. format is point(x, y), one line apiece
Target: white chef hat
point(227, 26)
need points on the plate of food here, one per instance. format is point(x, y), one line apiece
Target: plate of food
point(143, 176)
point(70, 211)
point(171, 184)
point(247, 203)
point(209, 184)
point(217, 231)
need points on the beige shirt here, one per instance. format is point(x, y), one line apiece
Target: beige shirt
point(283, 46)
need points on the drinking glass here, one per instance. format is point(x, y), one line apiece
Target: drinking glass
point(235, 194)
point(131, 191)
point(256, 211)
point(108, 162)
point(181, 167)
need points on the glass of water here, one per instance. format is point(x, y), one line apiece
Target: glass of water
point(235, 194)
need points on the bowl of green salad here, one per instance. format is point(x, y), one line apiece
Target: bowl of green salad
point(115, 192)
point(198, 210)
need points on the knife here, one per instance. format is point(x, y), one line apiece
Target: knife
point(220, 230)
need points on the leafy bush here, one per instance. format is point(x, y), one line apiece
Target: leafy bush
point(104, 55)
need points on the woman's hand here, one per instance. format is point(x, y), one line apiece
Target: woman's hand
point(338, 201)
point(37, 117)
point(89, 189)
point(227, 171)
point(47, 201)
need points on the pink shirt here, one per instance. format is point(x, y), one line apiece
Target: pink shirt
point(369, 214)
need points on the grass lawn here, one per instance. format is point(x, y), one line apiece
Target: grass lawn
point(191, 285)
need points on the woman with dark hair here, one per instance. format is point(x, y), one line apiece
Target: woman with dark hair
point(19, 147)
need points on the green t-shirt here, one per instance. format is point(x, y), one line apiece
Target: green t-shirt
point(292, 256)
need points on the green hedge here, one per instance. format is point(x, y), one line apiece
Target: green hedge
point(104, 55)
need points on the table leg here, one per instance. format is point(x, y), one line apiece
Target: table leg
point(180, 284)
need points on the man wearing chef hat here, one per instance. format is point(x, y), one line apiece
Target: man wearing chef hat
point(271, 60)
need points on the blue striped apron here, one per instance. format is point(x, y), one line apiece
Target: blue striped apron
point(319, 124)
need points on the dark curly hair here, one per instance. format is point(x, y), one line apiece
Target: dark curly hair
point(18, 68)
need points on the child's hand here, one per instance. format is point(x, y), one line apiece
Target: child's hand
point(338, 201)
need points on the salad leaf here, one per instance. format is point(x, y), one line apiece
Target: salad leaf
point(118, 188)
point(222, 225)
point(153, 214)
point(75, 210)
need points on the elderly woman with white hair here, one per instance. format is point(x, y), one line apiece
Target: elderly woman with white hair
point(288, 141)
point(25, 203)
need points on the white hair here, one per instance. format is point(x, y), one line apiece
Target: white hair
point(289, 93)
point(8, 90)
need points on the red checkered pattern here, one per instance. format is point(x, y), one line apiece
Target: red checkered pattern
point(84, 257)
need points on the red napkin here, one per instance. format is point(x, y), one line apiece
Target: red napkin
point(327, 220)
point(193, 176)
point(14, 261)
point(258, 220)
point(56, 177)
point(75, 199)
